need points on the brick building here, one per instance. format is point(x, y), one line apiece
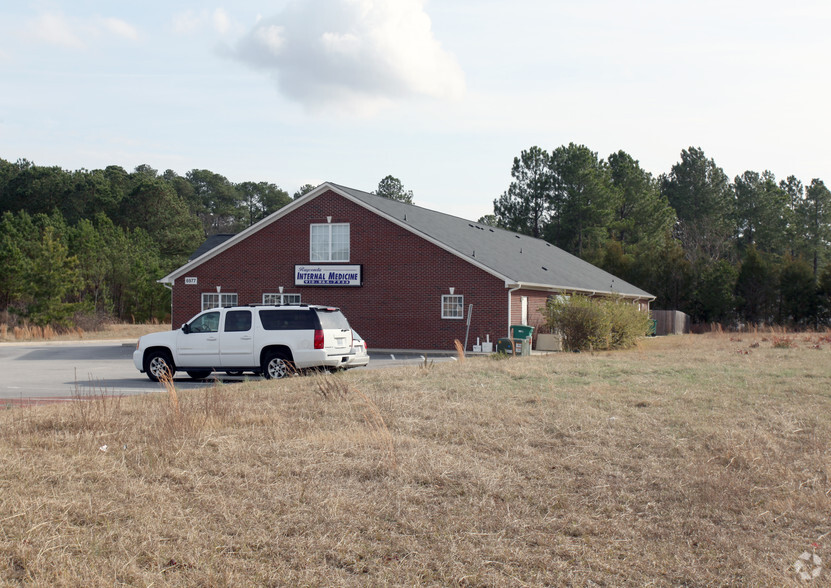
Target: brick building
point(406, 277)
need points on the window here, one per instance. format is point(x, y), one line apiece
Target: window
point(452, 306)
point(332, 318)
point(215, 300)
point(237, 321)
point(288, 320)
point(280, 299)
point(329, 242)
point(205, 323)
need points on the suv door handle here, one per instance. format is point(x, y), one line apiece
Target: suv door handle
point(211, 339)
point(247, 338)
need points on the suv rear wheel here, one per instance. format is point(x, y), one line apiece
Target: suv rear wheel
point(276, 365)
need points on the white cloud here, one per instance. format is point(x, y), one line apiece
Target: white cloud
point(353, 55)
point(120, 28)
point(56, 29)
point(75, 33)
point(271, 38)
point(221, 20)
point(187, 22)
point(190, 22)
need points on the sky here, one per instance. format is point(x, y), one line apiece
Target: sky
point(441, 94)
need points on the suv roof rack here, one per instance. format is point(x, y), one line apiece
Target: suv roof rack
point(258, 304)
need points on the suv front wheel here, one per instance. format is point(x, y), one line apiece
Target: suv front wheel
point(157, 364)
point(277, 365)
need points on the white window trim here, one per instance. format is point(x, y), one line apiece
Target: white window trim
point(225, 299)
point(282, 298)
point(461, 306)
point(329, 257)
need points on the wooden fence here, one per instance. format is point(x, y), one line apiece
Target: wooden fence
point(671, 322)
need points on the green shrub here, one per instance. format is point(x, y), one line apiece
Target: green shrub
point(628, 323)
point(596, 323)
point(582, 322)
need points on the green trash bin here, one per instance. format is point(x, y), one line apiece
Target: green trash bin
point(522, 335)
point(521, 331)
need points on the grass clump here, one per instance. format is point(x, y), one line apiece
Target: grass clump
point(783, 342)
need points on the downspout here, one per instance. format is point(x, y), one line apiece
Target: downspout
point(169, 287)
point(510, 292)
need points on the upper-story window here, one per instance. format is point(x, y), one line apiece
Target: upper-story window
point(211, 300)
point(279, 299)
point(329, 242)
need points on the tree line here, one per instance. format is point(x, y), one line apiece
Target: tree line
point(751, 250)
point(79, 247)
point(92, 243)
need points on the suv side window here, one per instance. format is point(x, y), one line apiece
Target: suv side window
point(288, 320)
point(206, 323)
point(237, 321)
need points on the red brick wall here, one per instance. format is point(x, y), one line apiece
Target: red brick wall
point(399, 305)
point(536, 301)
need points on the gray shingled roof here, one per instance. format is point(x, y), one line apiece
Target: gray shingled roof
point(520, 259)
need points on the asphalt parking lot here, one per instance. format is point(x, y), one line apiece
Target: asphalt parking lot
point(60, 370)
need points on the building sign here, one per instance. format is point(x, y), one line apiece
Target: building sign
point(190, 281)
point(327, 275)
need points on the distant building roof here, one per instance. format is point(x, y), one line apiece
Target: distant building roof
point(518, 259)
point(211, 242)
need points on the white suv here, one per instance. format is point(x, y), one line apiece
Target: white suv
point(271, 340)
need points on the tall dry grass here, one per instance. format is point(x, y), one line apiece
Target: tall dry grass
point(690, 461)
point(27, 332)
point(30, 332)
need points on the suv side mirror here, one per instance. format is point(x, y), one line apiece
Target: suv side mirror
point(186, 328)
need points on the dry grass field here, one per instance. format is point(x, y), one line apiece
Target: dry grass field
point(692, 461)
